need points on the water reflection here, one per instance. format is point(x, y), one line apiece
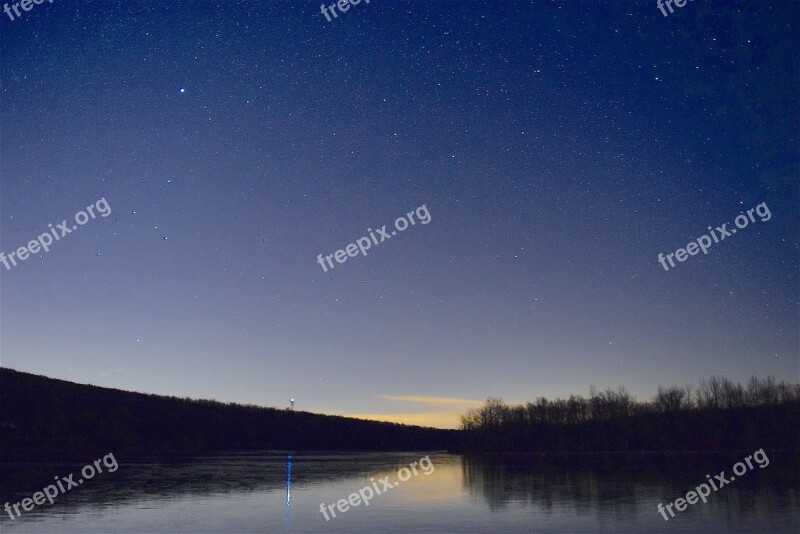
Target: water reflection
point(624, 486)
point(287, 518)
point(145, 477)
point(274, 492)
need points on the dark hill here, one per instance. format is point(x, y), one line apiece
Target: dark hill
point(58, 420)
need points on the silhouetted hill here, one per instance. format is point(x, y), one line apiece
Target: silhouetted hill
point(57, 420)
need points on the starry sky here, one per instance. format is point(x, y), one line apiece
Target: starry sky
point(558, 146)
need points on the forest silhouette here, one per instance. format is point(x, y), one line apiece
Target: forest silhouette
point(57, 420)
point(716, 415)
point(51, 420)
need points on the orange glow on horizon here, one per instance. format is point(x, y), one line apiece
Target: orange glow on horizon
point(446, 420)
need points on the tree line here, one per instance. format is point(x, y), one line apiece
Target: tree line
point(48, 419)
point(718, 414)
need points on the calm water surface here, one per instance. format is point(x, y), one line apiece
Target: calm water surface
point(271, 492)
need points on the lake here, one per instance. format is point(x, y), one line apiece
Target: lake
point(274, 492)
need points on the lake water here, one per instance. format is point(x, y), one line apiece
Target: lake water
point(271, 492)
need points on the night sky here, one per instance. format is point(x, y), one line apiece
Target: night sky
point(559, 147)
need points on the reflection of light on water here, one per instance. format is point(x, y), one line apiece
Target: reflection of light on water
point(287, 517)
point(288, 481)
